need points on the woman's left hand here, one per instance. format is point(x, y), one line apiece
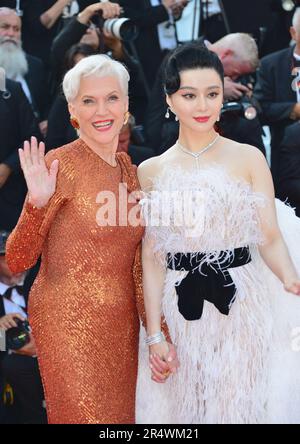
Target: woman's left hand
point(163, 361)
point(293, 286)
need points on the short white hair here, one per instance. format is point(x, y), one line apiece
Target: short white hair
point(296, 18)
point(243, 45)
point(7, 11)
point(99, 65)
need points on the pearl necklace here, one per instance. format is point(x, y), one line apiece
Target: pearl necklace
point(198, 153)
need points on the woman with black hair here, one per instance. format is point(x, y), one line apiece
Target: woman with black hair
point(214, 254)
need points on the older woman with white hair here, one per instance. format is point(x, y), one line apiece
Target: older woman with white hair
point(83, 304)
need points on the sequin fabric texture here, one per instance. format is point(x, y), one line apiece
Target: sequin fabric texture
point(84, 303)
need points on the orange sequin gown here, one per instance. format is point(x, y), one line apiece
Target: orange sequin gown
point(84, 303)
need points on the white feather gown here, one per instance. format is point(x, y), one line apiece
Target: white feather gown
point(241, 368)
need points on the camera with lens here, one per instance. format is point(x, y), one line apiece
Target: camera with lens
point(18, 337)
point(246, 107)
point(122, 28)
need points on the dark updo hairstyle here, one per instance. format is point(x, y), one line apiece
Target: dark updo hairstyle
point(189, 56)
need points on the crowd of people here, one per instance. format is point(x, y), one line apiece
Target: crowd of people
point(100, 83)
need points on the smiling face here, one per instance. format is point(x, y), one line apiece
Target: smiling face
point(99, 107)
point(198, 101)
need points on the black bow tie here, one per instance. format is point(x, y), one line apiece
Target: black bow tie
point(8, 293)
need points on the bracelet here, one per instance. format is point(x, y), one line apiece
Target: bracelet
point(155, 339)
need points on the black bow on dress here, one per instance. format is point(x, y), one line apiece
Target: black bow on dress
point(213, 283)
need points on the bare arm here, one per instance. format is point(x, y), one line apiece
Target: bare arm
point(274, 250)
point(49, 17)
point(153, 283)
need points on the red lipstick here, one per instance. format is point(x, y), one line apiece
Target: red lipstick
point(202, 119)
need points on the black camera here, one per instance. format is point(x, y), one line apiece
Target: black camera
point(246, 106)
point(121, 28)
point(17, 337)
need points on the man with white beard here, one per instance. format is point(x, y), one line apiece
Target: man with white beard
point(22, 67)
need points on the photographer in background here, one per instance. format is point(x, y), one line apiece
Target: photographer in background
point(17, 123)
point(157, 36)
point(19, 367)
point(278, 92)
point(288, 187)
point(42, 20)
point(86, 29)
point(81, 29)
point(239, 55)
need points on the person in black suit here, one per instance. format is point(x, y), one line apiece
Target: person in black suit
point(289, 173)
point(42, 20)
point(274, 90)
point(17, 123)
point(82, 30)
point(149, 46)
point(239, 55)
point(20, 368)
point(22, 67)
point(155, 38)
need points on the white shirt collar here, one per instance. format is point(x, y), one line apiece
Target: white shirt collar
point(297, 56)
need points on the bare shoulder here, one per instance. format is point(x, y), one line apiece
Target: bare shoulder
point(254, 159)
point(252, 153)
point(150, 168)
point(247, 156)
point(257, 169)
point(147, 170)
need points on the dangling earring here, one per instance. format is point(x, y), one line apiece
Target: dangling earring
point(176, 118)
point(127, 115)
point(167, 115)
point(74, 122)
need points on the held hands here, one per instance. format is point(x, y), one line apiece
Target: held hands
point(41, 182)
point(163, 361)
